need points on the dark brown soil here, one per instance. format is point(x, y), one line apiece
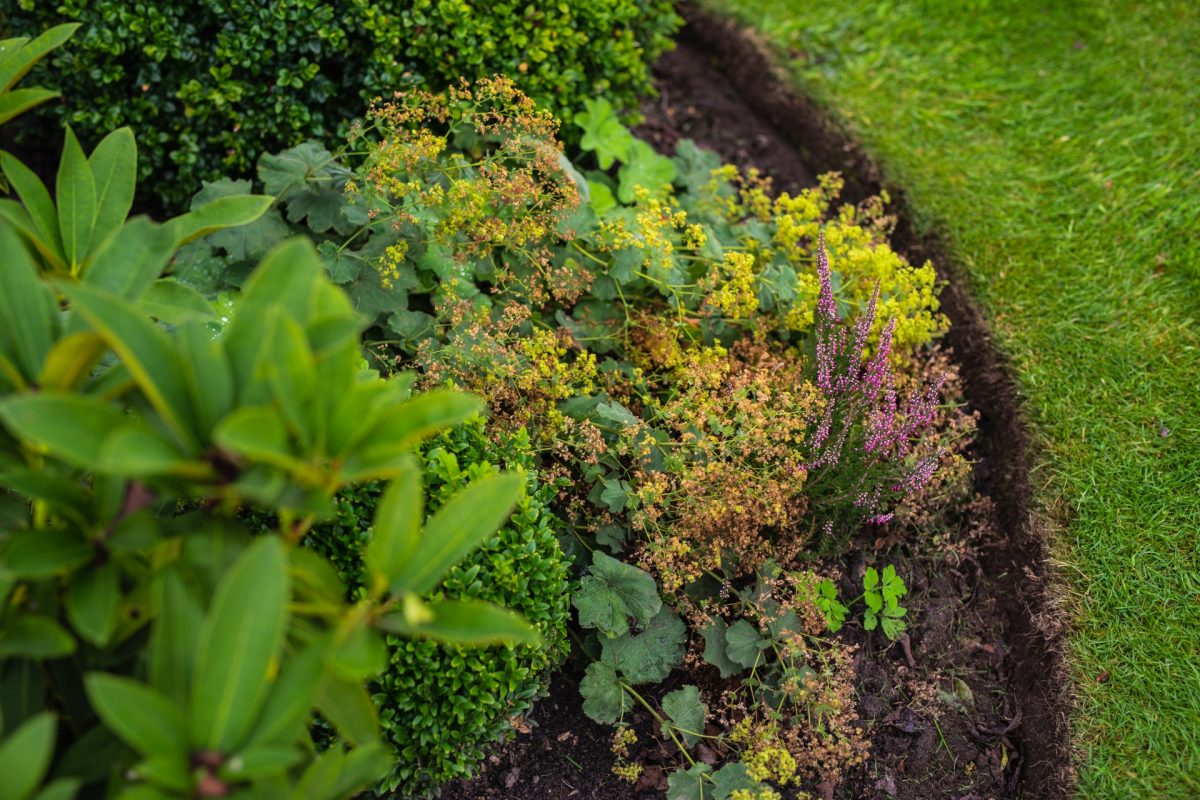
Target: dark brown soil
point(980, 630)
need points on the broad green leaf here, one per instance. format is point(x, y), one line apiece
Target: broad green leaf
point(646, 169)
point(346, 704)
point(263, 761)
point(43, 553)
point(64, 495)
point(715, 633)
point(14, 214)
point(743, 643)
point(145, 719)
point(15, 103)
point(472, 623)
point(286, 277)
point(144, 350)
point(690, 784)
point(71, 426)
point(21, 60)
point(396, 533)
point(364, 767)
point(257, 432)
point(25, 756)
point(225, 212)
point(127, 263)
point(94, 602)
point(35, 637)
point(687, 712)
point(207, 374)
point(336, 774)
point(462, 524)
point(236, 649)
point(290, 371)
point(136, 452)
point(172, 648)
point(603, 132)
point(870, 579)
point(172, 302)
point(36, 200)
point(290, 703)
point(649, 656)
point(114, 167)
point(28, 313)
point(406, 424)
point(75, 193)
point(167, 772)
point(71, 360)
point(356, 651)
point(61, 789)
point(731, 778)
point(603, 698)
point(612, 592)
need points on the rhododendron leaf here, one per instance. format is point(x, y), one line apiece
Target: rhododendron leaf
point(687, 712)
point(174, 303)
point(35, 637)
point(649, 656)
point(25, 755)
point(603, 698)
point(226, 212)
point(114, 167)
point(237, 651)
point(75, 194)
point(690, 784)
point(743, 643)
point(94, 602)
point(612, 592)
point(458, 527)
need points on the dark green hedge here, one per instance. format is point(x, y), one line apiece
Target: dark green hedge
point(440, 706)
point(209, 85)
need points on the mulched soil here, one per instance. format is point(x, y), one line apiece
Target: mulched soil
point(973, 705)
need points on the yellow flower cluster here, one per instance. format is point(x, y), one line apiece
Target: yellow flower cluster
point(734, 288)
point(549, 374)
point(389, 265)
point(765, 793)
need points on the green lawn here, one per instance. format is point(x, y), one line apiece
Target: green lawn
point(1058, 154)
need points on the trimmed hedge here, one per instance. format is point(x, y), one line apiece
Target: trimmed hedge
point(209, 85)
point(441, 706)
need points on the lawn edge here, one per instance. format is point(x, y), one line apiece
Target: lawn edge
point(1038, 658)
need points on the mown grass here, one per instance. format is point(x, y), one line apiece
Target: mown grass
point(1056, 149)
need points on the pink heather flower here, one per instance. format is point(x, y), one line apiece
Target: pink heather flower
point(881, 519)
point(826, 308)
point(920, 475)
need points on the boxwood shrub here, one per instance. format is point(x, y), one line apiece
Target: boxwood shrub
point(441, 706)
point(209, 85)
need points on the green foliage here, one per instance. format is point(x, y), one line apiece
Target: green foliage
point(19, 55)
point(882, 596)
point(612, 593)
point(209, 86)
point(127, 447)
point(441, 705)
point(1077, 230)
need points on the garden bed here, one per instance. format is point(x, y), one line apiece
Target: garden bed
point(973, 703)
